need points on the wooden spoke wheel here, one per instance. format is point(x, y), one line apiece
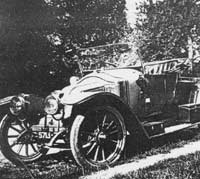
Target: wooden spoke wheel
point(98, 137)
point(17, 141)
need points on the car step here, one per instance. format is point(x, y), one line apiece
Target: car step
point(175, 128)
point(154, 128)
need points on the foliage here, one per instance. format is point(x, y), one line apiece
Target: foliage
point(35, 36)
point(165, 26)
point(182, 167)
point(90, 22)
point(87, 23)
point(23, 43)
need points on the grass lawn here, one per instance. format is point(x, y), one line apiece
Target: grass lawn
point(60, 166)
point(184, 167)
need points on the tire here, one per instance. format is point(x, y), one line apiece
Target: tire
point(16, 143)
point(98, 137)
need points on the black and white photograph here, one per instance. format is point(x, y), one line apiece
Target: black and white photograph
point(99, 89)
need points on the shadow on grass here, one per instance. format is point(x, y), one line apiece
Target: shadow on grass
point(142, 148)
point(54, 166)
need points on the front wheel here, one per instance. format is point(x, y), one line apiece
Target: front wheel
point(17, 141)
point(98, 137)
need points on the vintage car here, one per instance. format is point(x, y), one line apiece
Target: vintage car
point(95, 115)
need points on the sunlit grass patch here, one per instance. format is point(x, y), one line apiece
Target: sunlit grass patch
point(182, 167)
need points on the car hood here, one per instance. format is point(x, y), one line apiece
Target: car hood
point(98, 82)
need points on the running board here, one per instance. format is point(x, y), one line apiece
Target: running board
point(175, 128)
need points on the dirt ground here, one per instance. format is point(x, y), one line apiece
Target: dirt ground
point(56, 165)
point(2, 160)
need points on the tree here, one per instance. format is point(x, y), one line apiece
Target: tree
point(87, 23)
point(90, 22)
point(165, 27)
point(23, 42)
point(35, 36)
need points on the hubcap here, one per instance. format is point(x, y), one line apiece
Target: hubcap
point(99, 137)
point(25, 137)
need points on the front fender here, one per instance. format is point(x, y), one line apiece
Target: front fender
point(4, 106)
point(132, 122)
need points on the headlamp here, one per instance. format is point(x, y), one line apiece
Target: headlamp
point(51, 105)
point(17, 105)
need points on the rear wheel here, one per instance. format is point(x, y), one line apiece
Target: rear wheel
point(17, 141)
point(98, 137)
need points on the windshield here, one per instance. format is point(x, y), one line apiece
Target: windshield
point(107, 56)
